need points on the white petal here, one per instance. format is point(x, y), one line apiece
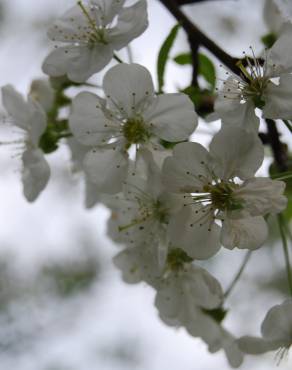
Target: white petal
point(168, 299)
point(256, 346)
point(78, 62)
point(92, 195)
point(204, 289)
point(87, 120)
point(110, 8)
point(35, 175)
point(55, 64)
point(234, 113)
point(280, 56)
point(107, 169)
point(138, 264)
point(187, 170)
point(236, 153)
point(29, 115)
point(128, 86)
point(262, 195)
point(233, 353)
point(200, 242)
point(277, 324)
point(132, 22)
point(246, 233)
point(70, 27)
point(278, 99)
point(42, 92)
point(78, 152)
point(172, 117)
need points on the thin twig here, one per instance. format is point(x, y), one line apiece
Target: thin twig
point(281, 223)
point(238, 275)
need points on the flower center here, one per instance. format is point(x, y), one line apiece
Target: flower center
point(135, 131)
point(147, 209)
point(222, 197)
point(97, 34)
point(177, 258)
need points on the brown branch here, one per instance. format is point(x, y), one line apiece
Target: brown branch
point(197, 37)
point(278, 148)
point(185, 2)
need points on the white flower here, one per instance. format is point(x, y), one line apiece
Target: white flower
point(219, 188)
point(31, 119)
point(276, 332)
point(256, 87)
point(92, 32)
point(144, 209)
point(203, 325)
point(139, 264)
point(186, 296)
point(184, 288)
point(130, 116)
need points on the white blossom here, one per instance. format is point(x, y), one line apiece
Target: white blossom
point(186, 296)
point(130, 116)
point(91, 33)
point(257, 88)
point(276, 332)
point(144, 209)
point(30, 117)
point(219, 188)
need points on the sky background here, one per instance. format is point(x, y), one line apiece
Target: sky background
point(106, 324)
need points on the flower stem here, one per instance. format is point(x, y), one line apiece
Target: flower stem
point(281, 223)
point(238, 275)
point(288, 125)
point(118, 59)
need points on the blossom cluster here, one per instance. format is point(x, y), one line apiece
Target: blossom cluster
point(171, 205)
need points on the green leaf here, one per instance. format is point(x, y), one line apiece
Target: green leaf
point(163, 56)
point(206, 67)
point(183, 59)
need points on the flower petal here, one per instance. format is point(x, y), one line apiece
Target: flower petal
point(280, 56)
point(78, 62)
point(246, 233)
point(35, 175)
point(235, 153)
point(128, 86)
point(108, 8)
point(87, 120)
point(187, 170)
point(200, 242)
point(70, 27)
point(278, 99)
point(262, 195)
point(107, 169)
point(29, 115)
point(277, 324)
point(234, 113)
point(255, 345)
point(138, 264)
point(132, 22)
point(172, 117)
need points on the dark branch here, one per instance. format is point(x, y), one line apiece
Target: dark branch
point(195, 62)
point(278, 148)
point(197, 37)
point(185, 2)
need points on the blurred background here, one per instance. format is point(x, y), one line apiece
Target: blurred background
point(63, 305)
